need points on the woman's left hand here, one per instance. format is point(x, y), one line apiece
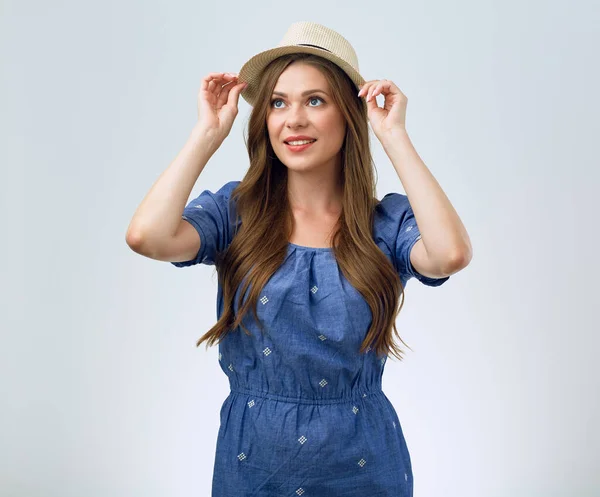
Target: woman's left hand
point(392, 116)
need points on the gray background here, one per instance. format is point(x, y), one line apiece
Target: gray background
point(103, 391)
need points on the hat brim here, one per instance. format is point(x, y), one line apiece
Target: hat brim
point(251, 70)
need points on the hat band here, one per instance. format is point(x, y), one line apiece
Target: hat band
point(316, 46)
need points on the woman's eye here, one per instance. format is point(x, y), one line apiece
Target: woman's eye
point(273, 102)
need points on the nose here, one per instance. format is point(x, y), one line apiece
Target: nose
point(296, 116)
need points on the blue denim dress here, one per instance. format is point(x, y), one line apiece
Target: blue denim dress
point(306, 415)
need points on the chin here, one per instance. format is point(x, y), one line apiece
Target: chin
point(295, 166)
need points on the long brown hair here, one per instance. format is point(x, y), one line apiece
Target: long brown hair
point(260, 245)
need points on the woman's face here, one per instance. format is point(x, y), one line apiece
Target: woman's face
point(295, 109)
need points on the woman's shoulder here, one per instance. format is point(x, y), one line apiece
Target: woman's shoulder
point(391, 209)
point(228, 187)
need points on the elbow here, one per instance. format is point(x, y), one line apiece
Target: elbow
point(459, 260)
point(134, 240)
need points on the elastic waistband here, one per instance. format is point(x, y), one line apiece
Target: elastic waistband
point(355, 395)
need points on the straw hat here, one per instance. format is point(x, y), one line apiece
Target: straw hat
point(303, 37)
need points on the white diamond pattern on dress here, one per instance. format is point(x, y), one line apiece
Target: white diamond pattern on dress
point(281, 351)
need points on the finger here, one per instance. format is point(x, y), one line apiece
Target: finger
point(388, 86)
point(206, 80)
point(226, 84)
point(216, 78)
point(372, 91)
point(372, 104)
point(218, 75)
point(365, 88)
point(234, 93)
point(224, 92)
point(385, 87)
point(215, 88)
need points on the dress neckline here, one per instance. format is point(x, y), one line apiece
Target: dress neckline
point(317, 249)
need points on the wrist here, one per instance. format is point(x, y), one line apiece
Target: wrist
point(394, 137)
point(207, 137)
point(396, 133)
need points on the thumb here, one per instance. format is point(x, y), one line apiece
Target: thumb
point(234, 94)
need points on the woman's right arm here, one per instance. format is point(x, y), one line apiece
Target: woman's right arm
point(157, 229)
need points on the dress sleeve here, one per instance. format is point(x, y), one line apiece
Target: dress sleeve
point(214, 219)
point(400, 232)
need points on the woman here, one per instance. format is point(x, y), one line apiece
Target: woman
point(303, 243)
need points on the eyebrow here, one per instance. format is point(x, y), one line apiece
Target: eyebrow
point(303, 93)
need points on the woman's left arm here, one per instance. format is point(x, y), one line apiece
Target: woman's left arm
point(445, 246)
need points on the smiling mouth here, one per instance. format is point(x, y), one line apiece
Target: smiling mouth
point(299, 148)
point(311, 141)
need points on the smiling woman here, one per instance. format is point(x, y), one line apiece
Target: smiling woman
point(326, 281)
point(312, 271)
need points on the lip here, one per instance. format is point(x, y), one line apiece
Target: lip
point(298, 137)
point(299, 148)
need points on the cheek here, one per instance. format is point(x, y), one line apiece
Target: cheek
point(338, 130)
point(274, 129)
point(272, 135)
point(335, 123)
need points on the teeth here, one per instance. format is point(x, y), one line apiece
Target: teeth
point(301, 142)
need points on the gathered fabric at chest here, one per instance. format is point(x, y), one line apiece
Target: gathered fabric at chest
point(314, 324)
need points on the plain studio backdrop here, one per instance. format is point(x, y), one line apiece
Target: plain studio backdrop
point(103, 391)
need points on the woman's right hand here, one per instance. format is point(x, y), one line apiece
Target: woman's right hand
point(218, 103)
